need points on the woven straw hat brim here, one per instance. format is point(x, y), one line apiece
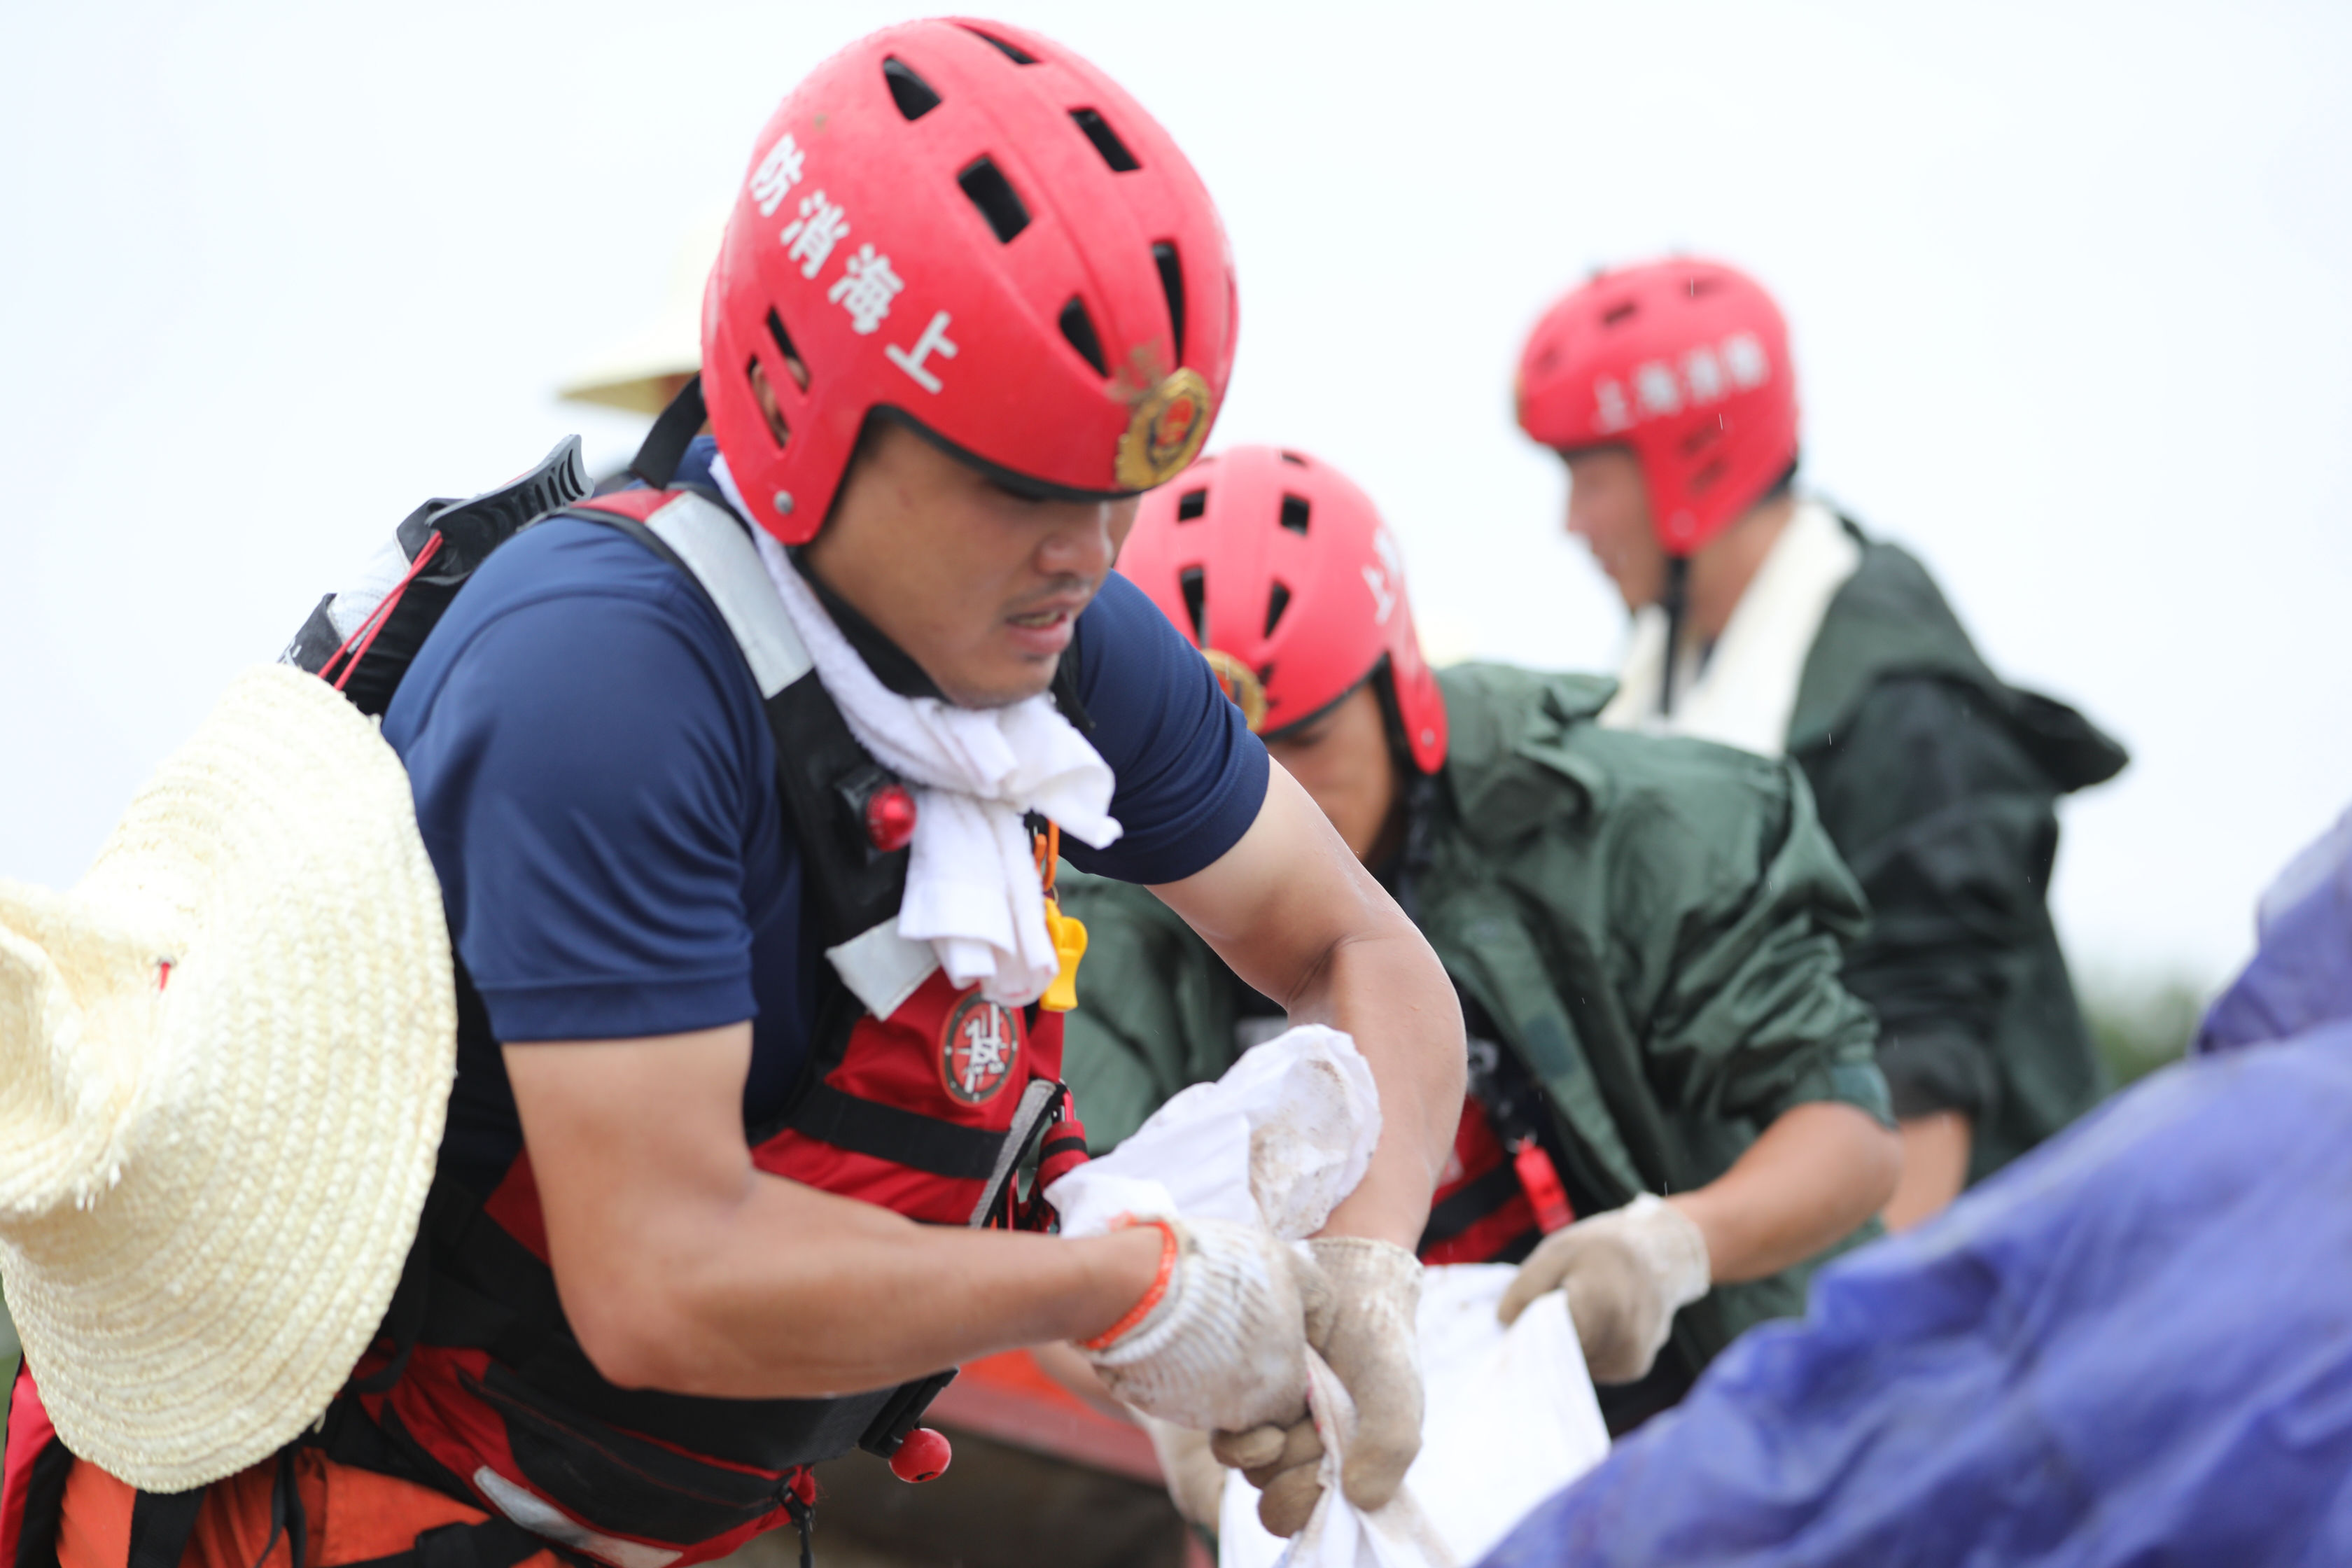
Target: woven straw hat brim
point(208, 1183)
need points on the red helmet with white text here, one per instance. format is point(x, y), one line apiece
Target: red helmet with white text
point(1282, 573)
point(967, 228)
point(1686, 364)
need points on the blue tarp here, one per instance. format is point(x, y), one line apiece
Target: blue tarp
point(2132, 1347)
point(2301, 978)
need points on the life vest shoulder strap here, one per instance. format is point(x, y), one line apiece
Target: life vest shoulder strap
point(824, 776)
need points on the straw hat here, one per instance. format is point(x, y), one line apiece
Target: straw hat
point(641, 372)
point(224, 1062)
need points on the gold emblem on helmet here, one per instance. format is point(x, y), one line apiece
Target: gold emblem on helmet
point(1240, 683)
point(1165, 430)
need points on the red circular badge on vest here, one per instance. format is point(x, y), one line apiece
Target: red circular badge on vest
point(979, 1048)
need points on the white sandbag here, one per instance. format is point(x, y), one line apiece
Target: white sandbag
point(1509, 1418)
point(1278, 1142)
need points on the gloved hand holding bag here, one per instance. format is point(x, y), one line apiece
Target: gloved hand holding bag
point(1627, 1273)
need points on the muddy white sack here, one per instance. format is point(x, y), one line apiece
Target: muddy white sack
point(1279, 1140)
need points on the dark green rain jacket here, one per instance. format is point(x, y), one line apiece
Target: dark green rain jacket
point(1654, 927)
point(1939, 784)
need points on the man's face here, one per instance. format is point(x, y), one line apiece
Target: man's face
point(982, 587)
point(1344, 762)
point(1609, 509)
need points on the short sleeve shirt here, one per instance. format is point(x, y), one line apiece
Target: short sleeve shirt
point(595, 785)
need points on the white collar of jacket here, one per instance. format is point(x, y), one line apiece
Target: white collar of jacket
point(1747, 690)
point(973, 889)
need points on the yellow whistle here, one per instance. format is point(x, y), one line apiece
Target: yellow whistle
point(1070, 935)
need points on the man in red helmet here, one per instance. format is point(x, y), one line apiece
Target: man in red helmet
point(1764, 620)
point(727, 782)
point(1645, 935)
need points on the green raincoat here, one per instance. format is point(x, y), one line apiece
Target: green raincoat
point(1655, 928)
point(1938, 784)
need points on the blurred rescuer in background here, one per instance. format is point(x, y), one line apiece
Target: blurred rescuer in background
point(1644, 934)
point(724, 782)
point(1764, 620)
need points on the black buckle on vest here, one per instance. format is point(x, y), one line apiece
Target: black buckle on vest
point(906, 1408)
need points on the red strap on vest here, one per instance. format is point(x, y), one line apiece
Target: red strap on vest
point(638, 505)
point(1542, 1182)
point(30, 1436)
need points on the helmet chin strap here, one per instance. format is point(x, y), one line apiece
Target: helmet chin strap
point(1674, 599)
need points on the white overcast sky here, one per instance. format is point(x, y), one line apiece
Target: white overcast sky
point(2070, 287)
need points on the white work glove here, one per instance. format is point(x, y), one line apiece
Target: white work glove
point(1367, 1338)
point(1627, 1273)
point(1196, 1482)
point(1224, 1345)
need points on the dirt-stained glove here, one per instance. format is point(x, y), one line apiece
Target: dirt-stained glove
point(1196, 1482)
point(1627, 1273)
point(1368, 1338)
point(1220, 1340)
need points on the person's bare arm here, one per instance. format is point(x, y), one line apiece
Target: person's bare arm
point(683, 1267)
point(1297, 917)
point(1935, 1149)
point(1817, 1171)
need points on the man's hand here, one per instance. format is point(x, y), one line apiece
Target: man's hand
point(1627, 1273)
point(1224, 1344)
point(1820, 1170)
point(1367, 1338)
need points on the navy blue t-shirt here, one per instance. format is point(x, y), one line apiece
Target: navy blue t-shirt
point(595, 784)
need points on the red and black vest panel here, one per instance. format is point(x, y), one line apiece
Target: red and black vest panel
point(919, 1097)
point(32, 1479)
point(1500, 1192)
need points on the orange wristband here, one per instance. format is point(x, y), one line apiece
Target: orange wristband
point(1152, 1297)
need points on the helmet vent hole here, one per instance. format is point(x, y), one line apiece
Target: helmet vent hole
point(1019, 56)
point(1107, 142)
point(1698, 286)
point(1276, 601)
point(1293, 458)
point(1619, 314)
point(1700, 439)
point(1171, 283)
point(993, 195)
point(1193, 583)
point(913, 95)
point(1080, 328)
point(763, 397)
point(792, 361)
point(1191, 505)
point(1294, 514)
point(1704, 480)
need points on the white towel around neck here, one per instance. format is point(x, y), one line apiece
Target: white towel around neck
point(973, 889)
point(1745, 692)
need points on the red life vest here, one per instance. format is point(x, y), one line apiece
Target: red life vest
point(919, 1097)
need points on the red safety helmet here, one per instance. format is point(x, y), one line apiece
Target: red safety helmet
point(1686, 363)
point(1282, 573)
point(966, 226)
